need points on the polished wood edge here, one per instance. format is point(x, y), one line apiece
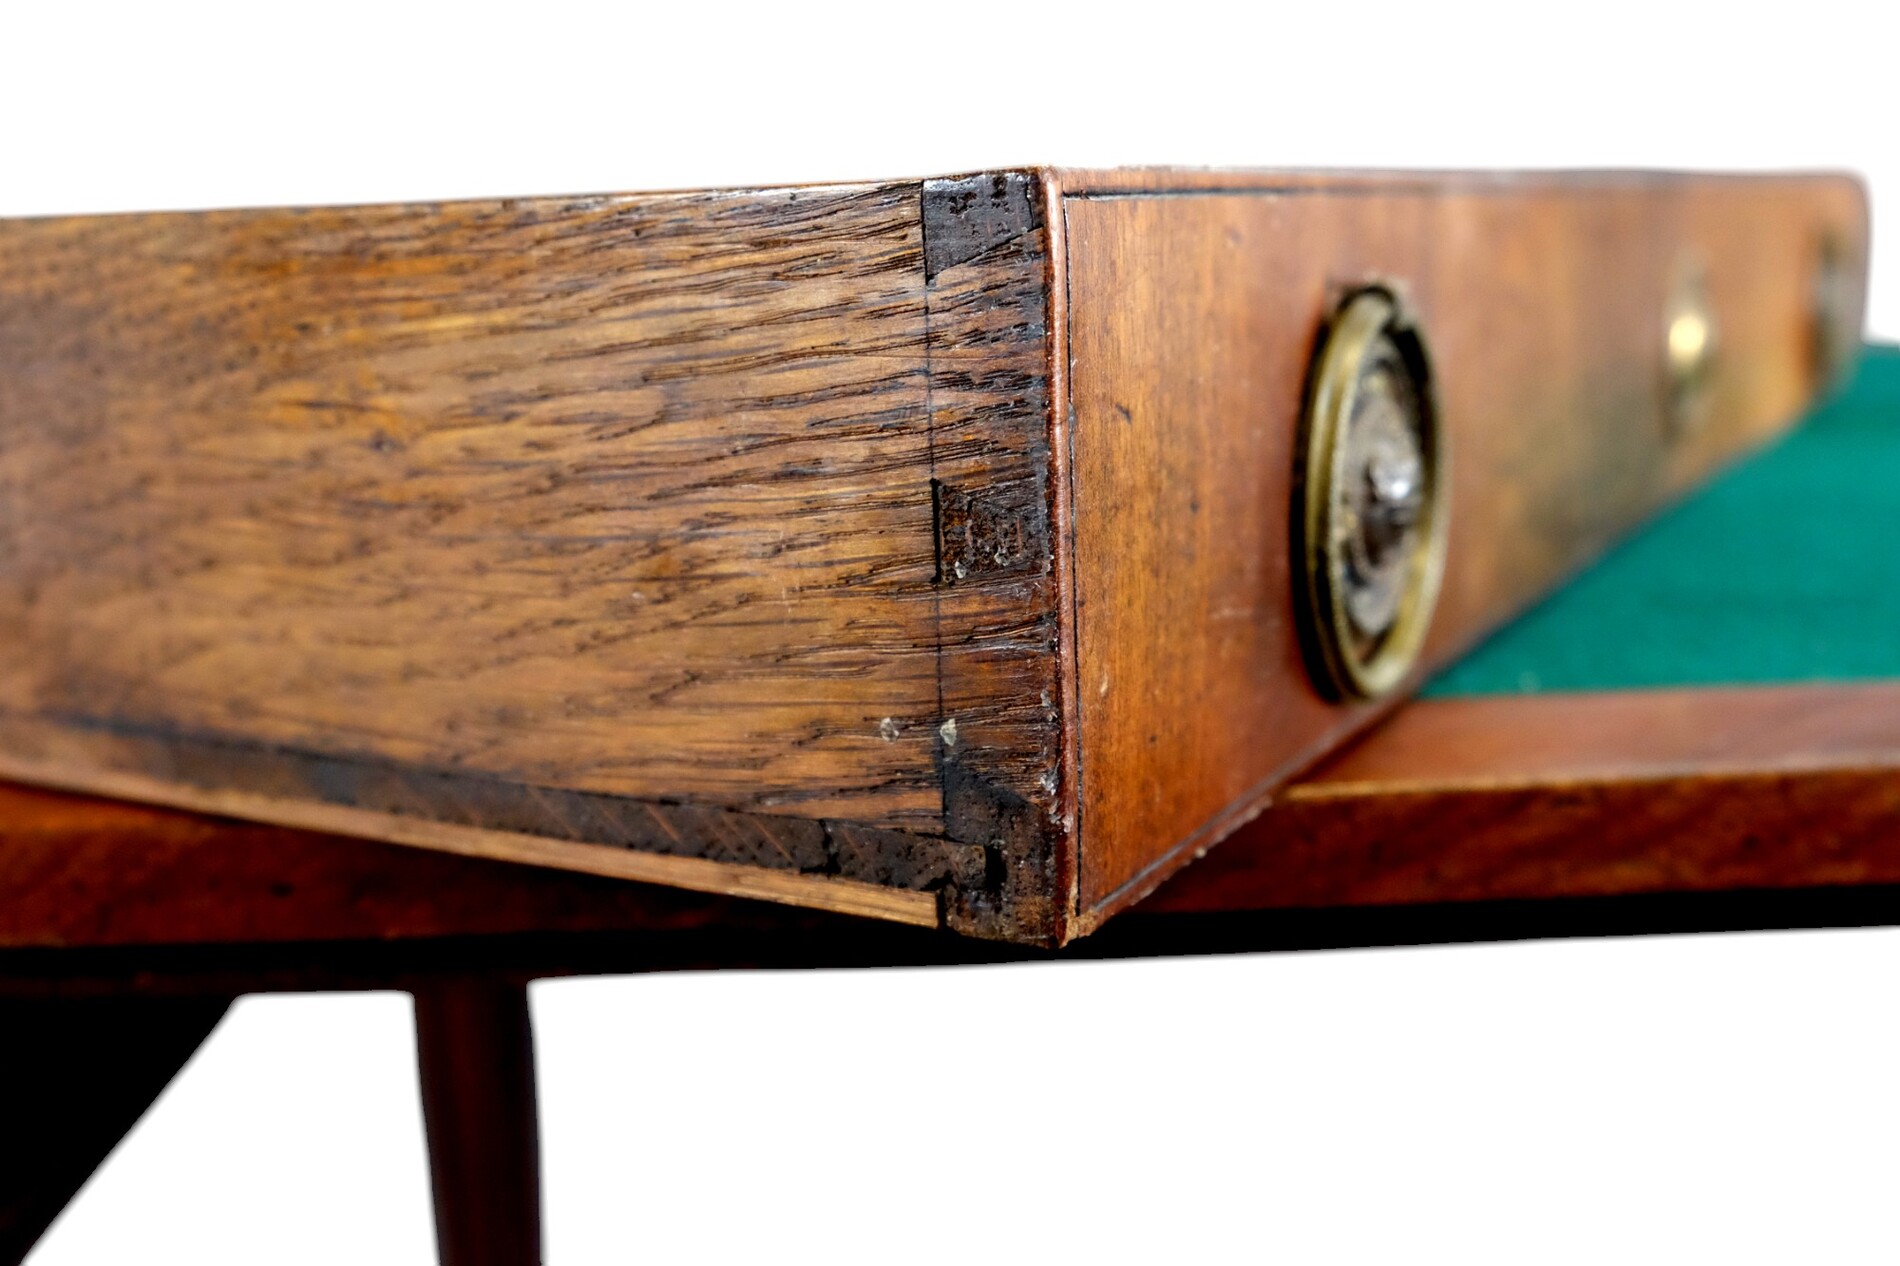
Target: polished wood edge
point(844, 896)
point(1135, 893)
point(1137, 181)
point(1534, 797)
point(1062, 534)
point(1485, 741)
point(1099, 181)
point(1523, 799)
point(101, 898)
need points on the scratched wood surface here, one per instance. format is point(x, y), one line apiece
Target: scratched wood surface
point(437, 483)
point(1453, 801)
point(609, 520)
point(777, 542)
point(1191, 325)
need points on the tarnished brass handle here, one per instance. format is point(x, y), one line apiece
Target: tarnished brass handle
point(1370, 517)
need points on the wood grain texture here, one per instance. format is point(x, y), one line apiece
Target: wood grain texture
point(1513, 799)
point(274, 869)
point(79, 872)
point(1579, 795)
point(436, 483)
point(606, 520)
point(1002, 735)
point(1192, 321)
point(779, 543)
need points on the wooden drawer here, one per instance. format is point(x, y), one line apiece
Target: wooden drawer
point(1702, 730)
point(1714, 708)
point(919, 550)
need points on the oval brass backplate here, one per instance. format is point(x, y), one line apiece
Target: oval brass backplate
point(1691, 350)
point(1369, 515)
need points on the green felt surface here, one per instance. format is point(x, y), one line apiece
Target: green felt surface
point(1785, 568)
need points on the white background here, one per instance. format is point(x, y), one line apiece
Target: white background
point(1720, 1098)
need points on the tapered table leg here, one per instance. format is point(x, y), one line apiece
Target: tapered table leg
point(75, 1075)
point(475, 1051)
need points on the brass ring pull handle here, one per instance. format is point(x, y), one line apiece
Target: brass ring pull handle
point(1370, 514)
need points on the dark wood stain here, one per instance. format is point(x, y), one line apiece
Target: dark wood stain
point(475, 1054)
point(1540, 799)
point(1000, 742)
point(608, 520)
point(795, 531)
point(966, 216)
